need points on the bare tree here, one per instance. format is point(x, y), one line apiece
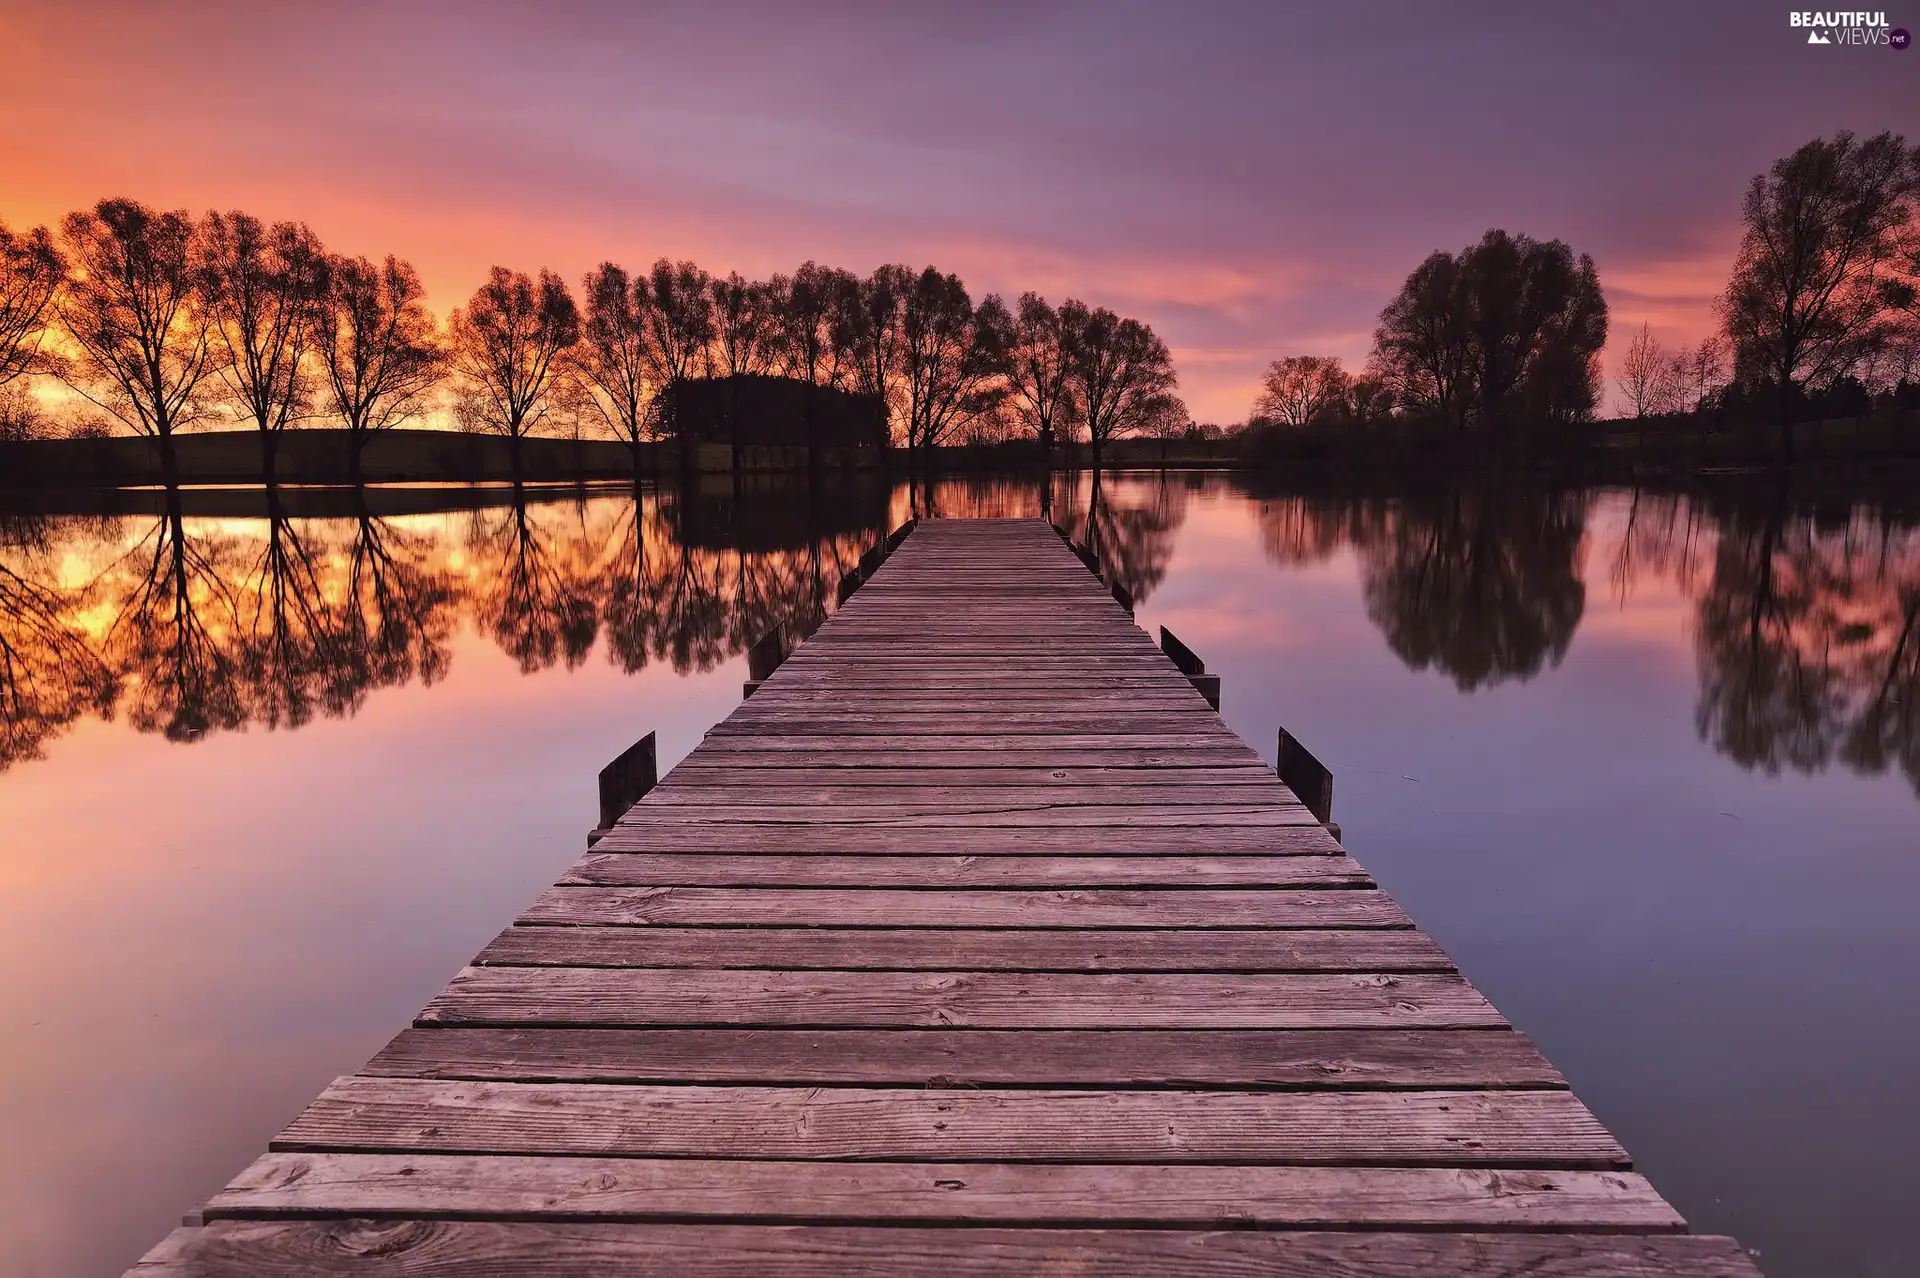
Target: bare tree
point(952, 356)
point(1641, 371)
point(258, 285)
point(506, 346)
point(806, 323)
point(679, 326)
point(144, 347)
point(1707, 370)
point(1121, 371)
point(1823, 227)
point(1037, 371)
point(746, 338)
point(379, 351)
point(31, 275)
point(612, 361)
point(1303, 388)
point(866, 325)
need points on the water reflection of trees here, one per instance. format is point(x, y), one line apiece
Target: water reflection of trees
point(50, 673)
point(193, 625)
point(1806, 622)
point(1808, 638)
point(1482, 584)
point(1130, 525)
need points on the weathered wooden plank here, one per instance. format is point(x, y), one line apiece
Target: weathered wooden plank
point(966, 907)
point(1249, 792)
point(992, 1000)
point(1196, 748)
point(280, 1186)
point(855, 722)
point(741, 771)
point(964, 950)
point(1545, 1129)
point(1243, 1060)
point(571, 1249)
point(680, 870)
point(873, 839)
point(963, 812)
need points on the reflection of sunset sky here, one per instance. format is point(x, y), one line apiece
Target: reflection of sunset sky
point(1252, 180)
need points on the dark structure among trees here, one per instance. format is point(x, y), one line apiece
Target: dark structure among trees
point(775, 421)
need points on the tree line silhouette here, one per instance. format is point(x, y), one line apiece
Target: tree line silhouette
point(1820, 317)
point(160, 322)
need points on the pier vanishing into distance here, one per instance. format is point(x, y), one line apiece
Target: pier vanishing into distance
point(973, 942)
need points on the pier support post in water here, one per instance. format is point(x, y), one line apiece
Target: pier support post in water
point(1309, 778)
point(1207, 685)
point(624, 782)
point(763, 659)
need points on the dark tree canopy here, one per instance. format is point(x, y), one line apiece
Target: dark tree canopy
point(1822, 229)
point(1507, 331)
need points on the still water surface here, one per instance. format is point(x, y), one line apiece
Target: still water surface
point(1646, 765)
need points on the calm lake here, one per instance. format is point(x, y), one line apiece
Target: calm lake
point(1647, 765)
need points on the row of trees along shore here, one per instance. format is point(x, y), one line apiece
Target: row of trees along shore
point(1820, 318)
point(159, 321)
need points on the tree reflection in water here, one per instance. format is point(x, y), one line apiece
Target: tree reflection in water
point(189, 619)
point(1807, 638)
point(1483, 584)
point(50, 672)
point(175, 639)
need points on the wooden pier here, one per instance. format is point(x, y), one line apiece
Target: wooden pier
point(972, 943)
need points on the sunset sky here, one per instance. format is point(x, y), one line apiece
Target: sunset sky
point(1254, 180)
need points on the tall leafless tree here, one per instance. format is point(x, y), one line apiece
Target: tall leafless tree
point(866, 326)
point(1302, 388)
point(746, 338)
point(507, 345)
point(145, 347)
point(612, 361)
point(1041, 391)
point(679, 327)
point(1641, 371)
point(259, 284)
point(1121, 372)
point(379, 350)
point(952, 356)
point(32, 272)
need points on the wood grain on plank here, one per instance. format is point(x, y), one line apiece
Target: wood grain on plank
point(1245, 1060)
point(996, 1000)
point(521, 1188)
point(966, 907)
point(826, 835)
point(963, 950)
point(1544, 1129)
point(363, 1248)
point(681, 870)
